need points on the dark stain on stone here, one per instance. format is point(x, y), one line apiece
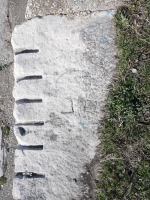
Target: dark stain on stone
point(89, 179)
point(53, 137)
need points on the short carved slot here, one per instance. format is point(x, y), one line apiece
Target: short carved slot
point(22, 175)
point(35, 147)
point(35, 77)
point(22, 131)
point(21, 101)
point(27, 51)
point(30, 124)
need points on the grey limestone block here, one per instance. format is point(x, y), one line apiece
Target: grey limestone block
point(62, 69)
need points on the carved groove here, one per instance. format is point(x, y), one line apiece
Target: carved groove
point(36, 147)
point(30, 124)
point(27, 51)
point(21, 175)
point(21, 101)
point(34, 77)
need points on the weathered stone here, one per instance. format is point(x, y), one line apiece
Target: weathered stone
point(62, 70)
point(79, 7)
point(6, 54)
point(1, 153)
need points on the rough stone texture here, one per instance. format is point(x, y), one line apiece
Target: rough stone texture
point(1, 154)
point(6, 114)
point(12, 13)
point(6, 191)
point(60, 92)
point(6, 54)
point(17, 9)
point(44, 7)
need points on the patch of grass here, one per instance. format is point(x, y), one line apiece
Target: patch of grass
point(125, 163)
point(3, 180)
point(5, 128)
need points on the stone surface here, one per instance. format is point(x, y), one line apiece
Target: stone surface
point(1, 153)
point(62, 70)
point(44, 7)
point(6, 54)
point(17, 9)
point(6, 115)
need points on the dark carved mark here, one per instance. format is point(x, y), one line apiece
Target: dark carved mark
point(75, 180)
point(21, 101)
point(22, 131)
point(72, 109)
point(20, 175)
point(30, 124)
point(40, 17)
point(36, 147)
point(27, 51)
point(30, 78)
point(65, 113)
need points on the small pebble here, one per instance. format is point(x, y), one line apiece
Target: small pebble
point(134, 71)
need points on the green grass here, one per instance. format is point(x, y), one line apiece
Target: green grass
point(6, 130)
point(125, 163)
point(3, 180)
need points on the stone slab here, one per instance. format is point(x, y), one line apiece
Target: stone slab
point(62, 69)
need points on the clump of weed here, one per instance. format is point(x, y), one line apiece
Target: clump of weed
point(126, 128)
point(3, 180)
point(5, 130)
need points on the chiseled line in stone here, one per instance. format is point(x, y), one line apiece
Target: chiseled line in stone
point(23, 101)
point(27, 51)
point(30, 148)
point(29, 77)
point(29, 175)
point(32, 123)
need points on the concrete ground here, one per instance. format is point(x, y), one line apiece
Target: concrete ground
point(1, 153)
point(12, 13)
point(69, 7)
